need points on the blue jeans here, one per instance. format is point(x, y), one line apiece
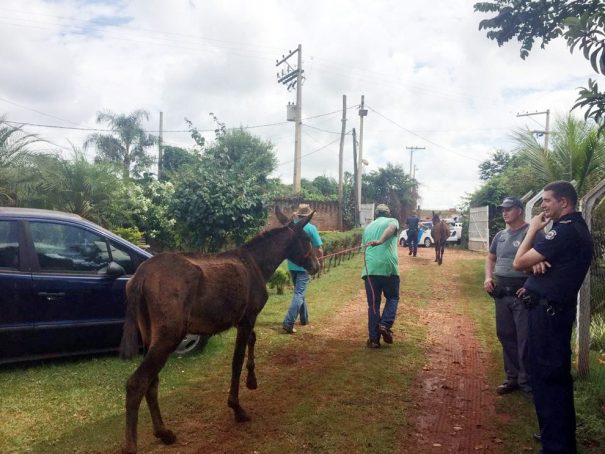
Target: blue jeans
point(375, 287)
point(298, 305)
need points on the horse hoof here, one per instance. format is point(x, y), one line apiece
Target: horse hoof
point(166, 436)
point(251, 383)
point(241, 416)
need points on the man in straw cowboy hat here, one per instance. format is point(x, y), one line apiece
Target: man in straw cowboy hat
point(300, 277)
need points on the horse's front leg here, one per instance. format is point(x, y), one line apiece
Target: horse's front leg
point(243, 334)
point(436, 252)
point(251, 379)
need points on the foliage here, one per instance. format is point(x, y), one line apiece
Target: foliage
point(224, 199)
point(577, 153)
point(127, 143)
point(339, 241)
point(177, 160)
point(14, 161)
point(597, 333)
point(580, 22)
point(499, 161)
point(131, 234)
point(155, 221)
point(391, 185)
point(279, 280)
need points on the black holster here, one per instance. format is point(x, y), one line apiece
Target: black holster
point(507, 286)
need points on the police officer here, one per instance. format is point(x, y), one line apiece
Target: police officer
point(560, 262)
point(505, 284)
point(412, 223)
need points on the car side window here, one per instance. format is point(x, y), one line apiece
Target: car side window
point(127, 259)
point(9, 245)
point(66, 248)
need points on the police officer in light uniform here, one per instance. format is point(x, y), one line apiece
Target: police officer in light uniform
point(560, 262)
point(505, 284)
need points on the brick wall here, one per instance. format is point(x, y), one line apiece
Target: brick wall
point(325, 217)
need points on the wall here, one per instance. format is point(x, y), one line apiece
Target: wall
point(325, 217)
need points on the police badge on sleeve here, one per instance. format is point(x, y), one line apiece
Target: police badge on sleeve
point(550, 235)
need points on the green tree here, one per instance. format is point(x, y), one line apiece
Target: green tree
point(15, 155)
point(499, 161)
point(176, 160)
point(127, 143)
point(223, 200)
point(391, 185)
point(78, 186)
point(580, 22)
point(577, 153)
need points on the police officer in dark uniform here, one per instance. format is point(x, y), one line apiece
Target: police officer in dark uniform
point(412, 223)
point(559, 263)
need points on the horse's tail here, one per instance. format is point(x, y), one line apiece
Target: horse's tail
point(129, 346)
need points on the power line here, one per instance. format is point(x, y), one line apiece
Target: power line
point(423, 138)
point(37, 111)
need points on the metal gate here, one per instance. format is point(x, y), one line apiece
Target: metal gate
point(478, 229)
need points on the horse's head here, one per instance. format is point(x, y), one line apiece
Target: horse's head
point(300, 249)
point(436, 218)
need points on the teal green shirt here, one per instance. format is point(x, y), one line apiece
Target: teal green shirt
point(380, 260)
point(315, 241)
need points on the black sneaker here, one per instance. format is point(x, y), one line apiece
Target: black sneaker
point(372, 344)
point(289, 329)
point(506, 388)
point(386, 334)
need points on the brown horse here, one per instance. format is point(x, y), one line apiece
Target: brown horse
point(440, 232)
point(173, 294)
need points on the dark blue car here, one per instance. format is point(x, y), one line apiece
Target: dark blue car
point(62, 281)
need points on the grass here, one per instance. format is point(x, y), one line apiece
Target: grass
point(589, 393)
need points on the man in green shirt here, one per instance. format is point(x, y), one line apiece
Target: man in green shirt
point(381, 275)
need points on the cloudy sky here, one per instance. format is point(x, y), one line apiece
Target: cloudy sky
point(430, 78)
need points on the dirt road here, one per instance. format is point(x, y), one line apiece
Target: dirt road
point(447, 406)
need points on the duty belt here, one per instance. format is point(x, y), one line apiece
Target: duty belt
point(532, 301)
point(507, 287)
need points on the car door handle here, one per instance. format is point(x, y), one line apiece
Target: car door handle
point(52, 296)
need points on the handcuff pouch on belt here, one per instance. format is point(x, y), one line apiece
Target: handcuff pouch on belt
point(532, 300)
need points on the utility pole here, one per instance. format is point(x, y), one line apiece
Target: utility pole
point(340, 160)
point(356, 215)
point(412, 149)
point(160, 139)
point(293, 77)
point(362, 113)
point(546, 131)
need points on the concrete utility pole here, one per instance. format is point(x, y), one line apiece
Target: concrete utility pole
point(160, 139)
point(412, 149)
point(356, 215)
point(546, 131)
point(362, 113)
point(340, 159)
point(293, 77)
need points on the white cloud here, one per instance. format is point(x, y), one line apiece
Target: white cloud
point(429, 76)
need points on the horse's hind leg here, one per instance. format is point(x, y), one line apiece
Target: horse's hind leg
point(243, 335)
point(251, 379)
point(137, 386)
point(159, 430)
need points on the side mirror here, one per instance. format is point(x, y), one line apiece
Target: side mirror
point(115, 270)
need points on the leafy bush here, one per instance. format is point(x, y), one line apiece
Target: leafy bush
point(131, 234)
point(280, 279)
point(338, 241)
point(597, 333)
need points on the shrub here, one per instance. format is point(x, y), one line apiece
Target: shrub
point(131, 234)
point(279, 280)
point(597, 333)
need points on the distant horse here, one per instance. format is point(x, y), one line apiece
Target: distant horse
point(173, 294)
point(440, 232)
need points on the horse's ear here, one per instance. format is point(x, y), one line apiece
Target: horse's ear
point(281, 217)
point(304, 221)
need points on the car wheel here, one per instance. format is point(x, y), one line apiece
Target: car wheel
point(191, 343)
point(427, 242)
point(401, 242)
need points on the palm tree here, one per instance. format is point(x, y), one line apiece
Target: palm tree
point(578, 153)
point(127, 142)
point(14, 155)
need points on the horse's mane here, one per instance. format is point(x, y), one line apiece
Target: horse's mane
point(263, 236)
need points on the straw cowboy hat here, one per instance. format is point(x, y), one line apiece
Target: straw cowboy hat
point(303, 210)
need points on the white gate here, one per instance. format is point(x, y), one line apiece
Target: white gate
point(478, 229)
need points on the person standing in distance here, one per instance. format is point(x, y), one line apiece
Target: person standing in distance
point(300, 277)
point(381, 275)
point(505, 285)
point(559, 262)
point(412, 223)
